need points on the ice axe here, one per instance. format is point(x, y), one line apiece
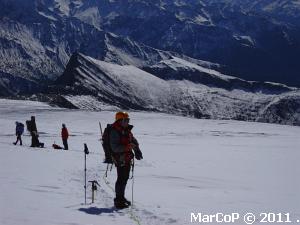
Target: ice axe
point(94, 188)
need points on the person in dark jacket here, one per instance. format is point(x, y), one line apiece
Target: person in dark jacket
point(65, 136)
point(122, 145)
point(19, 132)
point(33, 133)
point(31, 126)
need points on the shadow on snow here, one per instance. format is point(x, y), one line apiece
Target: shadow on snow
point(97, 211)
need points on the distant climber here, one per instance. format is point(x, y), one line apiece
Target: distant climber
point(19, 132)
point(31, 127)
point(65, 136)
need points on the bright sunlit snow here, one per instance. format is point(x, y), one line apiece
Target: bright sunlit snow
point(189, 165)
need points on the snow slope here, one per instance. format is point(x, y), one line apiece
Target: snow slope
point(200, 92)
point(189, 165)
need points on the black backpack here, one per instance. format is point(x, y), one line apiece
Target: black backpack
point(106, 144)
point(28, 125)
point(109, 156)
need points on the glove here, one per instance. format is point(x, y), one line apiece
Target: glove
point(138, 154)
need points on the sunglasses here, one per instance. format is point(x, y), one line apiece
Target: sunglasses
point(126, 120)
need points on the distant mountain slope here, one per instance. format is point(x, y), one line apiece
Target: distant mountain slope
point(282, 10)
point(213, 59)
point(132, 88)
point(255, 40)
point(36, 47)
point(14, 86)
point(254, 43)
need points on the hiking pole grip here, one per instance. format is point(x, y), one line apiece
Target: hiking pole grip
point(86, 150)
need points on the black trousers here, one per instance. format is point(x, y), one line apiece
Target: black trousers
point(123, 176)
point(19, 138)
point(65, 143)
point(34, 140)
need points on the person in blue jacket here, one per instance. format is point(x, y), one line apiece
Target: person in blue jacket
point(19, 132)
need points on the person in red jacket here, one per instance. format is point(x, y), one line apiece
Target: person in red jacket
point(65, 136)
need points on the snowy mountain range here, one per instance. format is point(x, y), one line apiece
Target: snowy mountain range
point(156, 55)
point(93, 84)
point(255, 40)
point(280, 10)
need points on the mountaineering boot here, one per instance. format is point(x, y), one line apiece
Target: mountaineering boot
point(120, 204)
point(126, 201)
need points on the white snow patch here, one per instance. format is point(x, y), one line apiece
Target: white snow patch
point(201, 20)
point(189, 166)
point(63, 6)
point(47, 16)
point(176, 62)
point(245, 38)
point(88, 102)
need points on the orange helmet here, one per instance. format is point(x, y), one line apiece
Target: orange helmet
point(122, 115)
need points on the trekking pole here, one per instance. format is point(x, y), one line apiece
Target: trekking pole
point(100, 131)
point(132, 192)
point(132, 183)
point(102, 140)
point(86, 152)
point(106, 169)
point(132, 170)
